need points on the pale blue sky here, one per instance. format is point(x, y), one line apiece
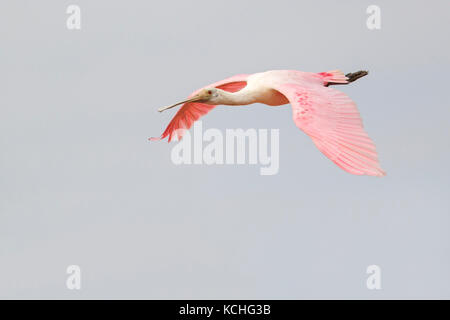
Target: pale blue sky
point(80, 183)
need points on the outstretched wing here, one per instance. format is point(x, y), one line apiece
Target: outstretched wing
point(333, 122)
point(192, 111)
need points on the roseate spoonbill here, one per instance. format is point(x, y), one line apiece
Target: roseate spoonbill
point(327, 115)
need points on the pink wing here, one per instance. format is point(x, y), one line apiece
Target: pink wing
point(191, 112)
point(333, 122)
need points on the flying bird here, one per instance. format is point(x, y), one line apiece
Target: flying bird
point(325, 114)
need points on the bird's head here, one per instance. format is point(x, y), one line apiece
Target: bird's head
point(207, 95)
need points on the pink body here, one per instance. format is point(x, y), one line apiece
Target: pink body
point(327, 115)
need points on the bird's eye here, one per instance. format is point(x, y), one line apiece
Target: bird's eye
point(209, 91)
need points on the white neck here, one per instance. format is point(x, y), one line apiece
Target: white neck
point(239, 98)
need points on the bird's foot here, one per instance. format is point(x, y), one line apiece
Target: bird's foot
point(356, 75)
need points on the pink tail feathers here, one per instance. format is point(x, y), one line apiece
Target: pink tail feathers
point(335, 76)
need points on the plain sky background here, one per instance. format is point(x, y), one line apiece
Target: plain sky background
point(80, 184)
